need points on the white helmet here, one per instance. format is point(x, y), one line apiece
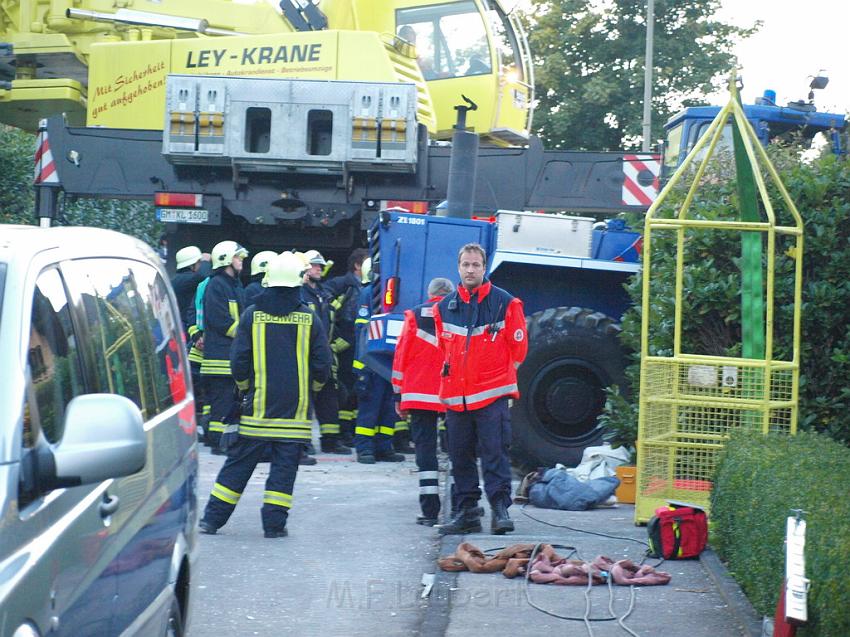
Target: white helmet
point(223, 253)
point(285, 270)
point(260, 261)
point(366, 270)
point(314, 257)
point(303, 258)
point(187, 257)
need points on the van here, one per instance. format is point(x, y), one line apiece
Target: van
point(98, 452)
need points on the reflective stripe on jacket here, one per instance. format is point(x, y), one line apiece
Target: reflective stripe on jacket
point(418, 360)
point(276, 358)
point(223, 303)
point(483, 338)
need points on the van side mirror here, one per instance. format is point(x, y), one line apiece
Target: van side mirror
point(104, 438)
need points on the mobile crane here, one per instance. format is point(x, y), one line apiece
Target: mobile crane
point(277, 132)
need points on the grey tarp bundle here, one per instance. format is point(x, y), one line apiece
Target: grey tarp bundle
point(557, 489)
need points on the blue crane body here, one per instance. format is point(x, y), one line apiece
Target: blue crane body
point(573, 302)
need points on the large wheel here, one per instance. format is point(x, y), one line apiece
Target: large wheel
point(573, 355)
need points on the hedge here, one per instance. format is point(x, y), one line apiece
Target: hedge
point(759, 480)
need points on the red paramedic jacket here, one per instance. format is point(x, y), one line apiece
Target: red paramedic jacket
point(483, 339)
point(418, 360)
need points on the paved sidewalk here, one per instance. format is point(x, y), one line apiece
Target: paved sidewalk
point(700, 600)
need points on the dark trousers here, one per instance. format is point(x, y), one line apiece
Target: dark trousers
point(375, 415)
point(197, 386)
point(326, 406)
point(242, 459)
point(220, 397)
point(423, 430)
point(488, 428)
point(346, 395)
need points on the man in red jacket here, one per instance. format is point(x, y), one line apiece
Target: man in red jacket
point(416, 381)
point(481, 332)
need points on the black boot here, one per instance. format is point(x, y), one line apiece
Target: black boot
point(332, 444)
point(388, 456)
point(466, 521)
point(500, 521)
point(401, 442)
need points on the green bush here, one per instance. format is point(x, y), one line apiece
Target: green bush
point(758, 480)
point(711, 304)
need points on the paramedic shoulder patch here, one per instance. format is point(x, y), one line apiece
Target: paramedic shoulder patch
point(518, 335)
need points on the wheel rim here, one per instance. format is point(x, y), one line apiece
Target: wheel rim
point(565, 399)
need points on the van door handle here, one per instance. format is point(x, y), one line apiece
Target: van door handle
point(109, 505)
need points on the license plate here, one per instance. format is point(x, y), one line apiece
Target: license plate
point(182, 215)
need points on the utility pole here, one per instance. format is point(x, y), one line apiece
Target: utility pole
point(647, 76)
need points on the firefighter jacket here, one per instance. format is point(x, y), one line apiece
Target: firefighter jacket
point(280, 354)
point(223, 303)
point(344, 291)
point(254, 289)
point(418, 360)
point(483, 338)
point(320, 302)
point(185, 282)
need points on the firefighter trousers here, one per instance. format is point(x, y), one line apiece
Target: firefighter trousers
point(346, 394)
point(242, 459)
point(326, 406)
point(423, 430)
point(488, 428)
point(375, 415)
point(222, 401)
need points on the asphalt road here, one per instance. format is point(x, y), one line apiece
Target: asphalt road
point(354, 561)
point(352, 564)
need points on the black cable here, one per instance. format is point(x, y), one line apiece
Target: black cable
point(570, 528)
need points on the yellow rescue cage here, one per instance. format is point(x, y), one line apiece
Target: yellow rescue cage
point(690, 401)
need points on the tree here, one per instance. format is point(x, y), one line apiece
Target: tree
point(589, 66)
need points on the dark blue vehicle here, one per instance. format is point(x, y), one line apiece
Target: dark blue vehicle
point(769, 120)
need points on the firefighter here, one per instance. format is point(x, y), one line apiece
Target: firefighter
point(481, 332)
point(376, 411)
point(279, 355)
point(223, 302)
point(345, 292)
point(193, 266)
point(416, 381)
point(325, 401)
point(259, 266)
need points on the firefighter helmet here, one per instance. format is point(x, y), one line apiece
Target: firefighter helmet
point(314, 257)
point(187, 257)
point(286, 270)
point(366, 271)
point(224, 252)
point(260, 261)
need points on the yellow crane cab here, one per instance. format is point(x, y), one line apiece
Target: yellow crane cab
point(475, 48)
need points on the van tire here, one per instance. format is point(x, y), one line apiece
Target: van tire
point(573, 355)
point(174, 625)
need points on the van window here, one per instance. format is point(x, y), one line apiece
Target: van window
point(164, 365)
point(52, 357)
point(132, 333)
